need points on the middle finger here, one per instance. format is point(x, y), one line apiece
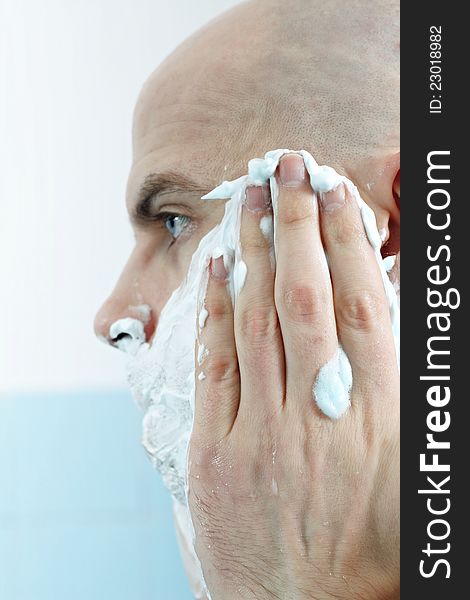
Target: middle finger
point(303, 290)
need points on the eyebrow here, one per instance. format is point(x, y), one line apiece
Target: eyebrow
point(159, 184)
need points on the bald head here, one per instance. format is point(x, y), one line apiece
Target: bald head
point(319, 75)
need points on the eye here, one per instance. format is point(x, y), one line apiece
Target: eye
point(174, 223)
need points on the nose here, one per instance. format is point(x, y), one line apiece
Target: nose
point(127, 319)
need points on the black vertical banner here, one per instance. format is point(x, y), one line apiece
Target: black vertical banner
point(435, 366)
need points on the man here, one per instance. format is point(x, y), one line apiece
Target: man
point(322, 76)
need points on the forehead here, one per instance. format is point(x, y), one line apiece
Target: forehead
point(177, 129)
point(198, 113)
point(173, 118)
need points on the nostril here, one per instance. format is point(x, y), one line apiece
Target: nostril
point(121, 336)
point(127, 334)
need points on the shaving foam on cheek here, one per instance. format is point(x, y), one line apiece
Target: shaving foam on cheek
point(162, 375)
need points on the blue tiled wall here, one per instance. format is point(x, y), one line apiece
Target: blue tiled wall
point(83, 516)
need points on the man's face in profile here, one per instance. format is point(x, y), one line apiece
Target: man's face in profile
point(218, 101)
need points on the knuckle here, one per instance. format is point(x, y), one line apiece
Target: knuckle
point(254, 242)
point(361, 310)
point(201, 452)
point(217, 308)
point(297, 212)
point(344, 231)
point(220, 369)
point(258, 324)
point(255, 248)
point(204, 454)
point(304, 303)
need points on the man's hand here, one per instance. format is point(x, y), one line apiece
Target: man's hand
point(287, 503)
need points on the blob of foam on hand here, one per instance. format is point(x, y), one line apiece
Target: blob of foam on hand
point(162, 375)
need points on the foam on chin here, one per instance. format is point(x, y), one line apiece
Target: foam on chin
point(162, 376)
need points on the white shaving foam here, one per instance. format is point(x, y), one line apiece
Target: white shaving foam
point(203, 314)
point(143, 310)
point(202, 353)
point(127, 334)
point(266, 225)
point(389, 262)
point(333, 385)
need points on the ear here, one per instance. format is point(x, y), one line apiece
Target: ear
point(392, 245)
point(381, 189)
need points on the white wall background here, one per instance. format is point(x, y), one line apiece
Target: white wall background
point(70, 72)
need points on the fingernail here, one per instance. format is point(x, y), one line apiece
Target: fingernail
point(292, 170)
point(217, 267)
point(257, 198)
point(332, 200)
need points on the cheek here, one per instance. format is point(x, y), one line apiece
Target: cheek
point(178, 258)
point(155, 282)
point(161, 270)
